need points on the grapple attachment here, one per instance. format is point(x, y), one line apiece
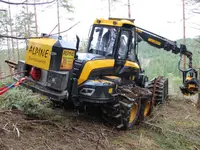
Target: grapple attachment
point(190, 86)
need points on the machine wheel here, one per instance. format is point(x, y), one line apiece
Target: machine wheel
point(159, 89)
point(122, 114)
point(130, 111)
point(146, 109)
point(132, 105)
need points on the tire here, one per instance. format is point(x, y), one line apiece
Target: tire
point(130, 112)
point(123, 113)
point(159, 88)
point(146, 109)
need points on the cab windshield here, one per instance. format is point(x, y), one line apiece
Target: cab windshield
point(103, 40)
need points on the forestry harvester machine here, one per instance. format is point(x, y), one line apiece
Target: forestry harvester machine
point(108, 76)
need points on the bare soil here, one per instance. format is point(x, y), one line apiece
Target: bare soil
point(18, 132)
point(175, 125)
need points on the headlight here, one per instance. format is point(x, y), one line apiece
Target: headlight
point(87, 91)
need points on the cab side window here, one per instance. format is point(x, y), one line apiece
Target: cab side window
point(123, 46)
point(131, 53)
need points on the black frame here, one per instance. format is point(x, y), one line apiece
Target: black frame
point(91, 37)
point(118, 41)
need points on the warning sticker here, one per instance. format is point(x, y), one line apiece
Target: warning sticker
point(67, 59)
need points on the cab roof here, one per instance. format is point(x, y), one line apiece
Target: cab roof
point(119, 22)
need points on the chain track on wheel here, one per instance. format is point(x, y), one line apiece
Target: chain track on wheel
point(159, 89)
point(125, 112)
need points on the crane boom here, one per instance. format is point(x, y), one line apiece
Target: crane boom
point(161, 42)
point(190, 81)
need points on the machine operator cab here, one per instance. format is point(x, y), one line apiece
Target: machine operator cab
point(113, 38)
point(109, 60)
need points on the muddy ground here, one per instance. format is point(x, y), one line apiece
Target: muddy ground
point(174, 125)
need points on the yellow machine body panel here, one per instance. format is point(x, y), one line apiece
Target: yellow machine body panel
point(100, 64)
point(38, 53)
point(92, 65)
point(131, 64)
point(118, 23)
point(154, 41)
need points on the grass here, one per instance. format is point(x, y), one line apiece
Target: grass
point(174, 125)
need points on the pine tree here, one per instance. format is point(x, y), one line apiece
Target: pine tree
point(11, 32)
point(62, 4)
point(36, 23)
point(109, 6)
point(2, 28)
point(4, 22)
point(25, 24)
point(67, 6)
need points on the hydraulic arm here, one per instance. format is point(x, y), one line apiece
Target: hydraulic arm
point(190, 81)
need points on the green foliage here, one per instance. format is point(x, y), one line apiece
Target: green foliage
point(67, 5)
point(4, 21)
point(22, 99)
point(25, 23)
point(172, 142)
point(196, 1)
point(31, 104)
point(83, 45)
point(160, 62)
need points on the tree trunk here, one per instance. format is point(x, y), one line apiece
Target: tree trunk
point(11, 32)
point(129, 9)
point(198, 101)
point(28, 31)
point(36, 25)
point(1, 72)
point(109, 12)
point(8, 46)
point(17, 49)
point(58, 17)
point(184, 40)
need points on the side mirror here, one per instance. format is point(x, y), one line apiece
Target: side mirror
point(77, 42)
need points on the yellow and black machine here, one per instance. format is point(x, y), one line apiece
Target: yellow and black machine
point(108, 76)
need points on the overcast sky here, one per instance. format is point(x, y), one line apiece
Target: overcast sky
point(163, 17)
